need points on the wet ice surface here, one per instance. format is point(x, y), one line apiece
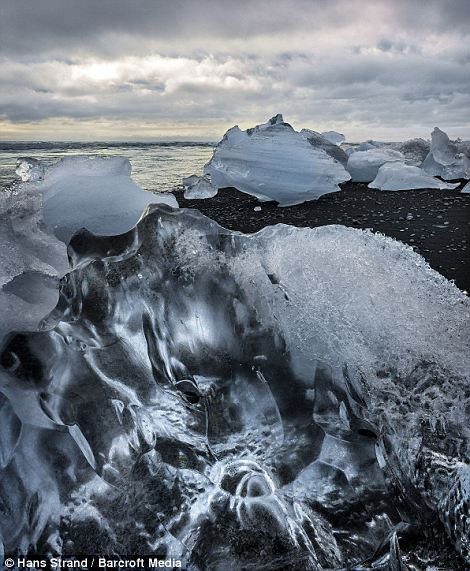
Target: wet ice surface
point(436, 223)
point(272, 161)
point(281, 400)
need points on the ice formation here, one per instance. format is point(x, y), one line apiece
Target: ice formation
point(364, 165)
point(447, 159)
point(466, 188)
point(93, 193)
point(334, 137)
point(196, 187)
point(40, 214)
point(274, 162)
point(281, 400)
point(399, 176)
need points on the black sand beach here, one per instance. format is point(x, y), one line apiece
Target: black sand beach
point(435, 222)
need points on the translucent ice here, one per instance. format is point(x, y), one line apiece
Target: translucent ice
point(447, 159)
point(280, 400)
point(38, 215)
point(399, 176)
point(274, 162)
point(334, 137)
point(364, 165)
point(93, 193)
point(198, 187)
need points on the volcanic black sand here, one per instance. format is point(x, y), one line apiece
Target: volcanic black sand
point(435, 222)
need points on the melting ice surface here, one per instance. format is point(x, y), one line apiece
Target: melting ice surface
point(41, 214)
point(399, 176)
point(272, 161)
point(275, 401)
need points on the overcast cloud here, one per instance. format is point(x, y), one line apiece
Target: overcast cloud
point(189, 69)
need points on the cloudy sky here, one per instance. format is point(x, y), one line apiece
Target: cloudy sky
point(189, 69)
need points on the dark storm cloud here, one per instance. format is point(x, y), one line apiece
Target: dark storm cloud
point(356, 65)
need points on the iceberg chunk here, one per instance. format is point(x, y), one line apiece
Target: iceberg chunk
point(93, 193)
point(466, 188)
point(334, 137)
point(399, 176)
point(447, 159)
point(272, 161)
point(443, 150)
point(196, 187)
point(364, 165)
point(242, 391)
point(39, 215)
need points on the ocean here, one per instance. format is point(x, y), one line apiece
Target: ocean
point(156, 167)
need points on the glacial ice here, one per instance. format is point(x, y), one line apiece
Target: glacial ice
point(364, 165)
point(279, 400)
point(447, 159)
point(93, 193)
point(274, 162)
point(466, 188)
point(43, 211)
point(334, 137)
point(399, 176)
point(197, 187)
point(320, 142)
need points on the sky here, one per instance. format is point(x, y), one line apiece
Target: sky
point(190, 69)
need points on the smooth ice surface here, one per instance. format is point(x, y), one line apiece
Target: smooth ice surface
point(447, 159)
point(334, 137)
point(293, 399)
point(364, 165)
point(466, 188)
point(399, 176)
point(196, 187)
point(93, 193)
point(274, 162)
point(38, 215)
point(31, 261)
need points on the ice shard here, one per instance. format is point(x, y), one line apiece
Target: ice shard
point(198, 187)
point(274, 162)
point(40, 214)
point(447, 159)
point(399, 176)
point(334, 137)
point(279, 400)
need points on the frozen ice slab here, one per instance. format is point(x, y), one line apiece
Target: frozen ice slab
point(466, 188)
point(399, 176)
point(93, 193)
point(43, 211)
point(274, 162)
point(364, 165)
point(197, 187)
point(239, 401)
point(31, 261)
point(447, 159)
point(334, 137)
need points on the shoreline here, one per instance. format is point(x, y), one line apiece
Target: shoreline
point(436, 223)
